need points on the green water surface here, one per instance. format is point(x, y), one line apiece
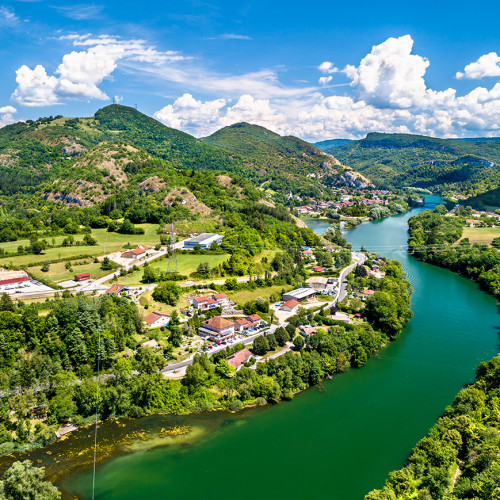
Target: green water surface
point(341, 440)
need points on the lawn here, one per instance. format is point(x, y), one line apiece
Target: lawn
point(186, 263)
point(483, 235)
point(58, 272)
point(106, 243)
point(245, 295)
point(147, 298)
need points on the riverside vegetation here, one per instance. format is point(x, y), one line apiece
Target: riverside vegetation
point(459, 459)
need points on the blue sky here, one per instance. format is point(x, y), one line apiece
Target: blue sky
point(317, 70)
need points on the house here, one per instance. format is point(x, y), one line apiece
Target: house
point(307, 253)
point(252, 322)
point(217, 329)
point(119, 290)
point(135, 254)
point(216, 300)
point(151, 343)
point(204, 240)
point(367, 293)
point(318, 269)
point(82, 277)
point(308, 330)
point(239, 358)
point(299, 294)
point(156, 319)
point(340, 317)
point(290, 305)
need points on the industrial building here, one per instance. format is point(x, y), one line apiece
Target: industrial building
point(299, 294)
point(205, 240)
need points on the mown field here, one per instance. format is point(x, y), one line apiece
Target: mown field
point(483, 235)
point(58, 272)
point(106, 243)
point(186, 264)
point(245, 295)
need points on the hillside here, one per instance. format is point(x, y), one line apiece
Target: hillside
point(331, 144)
point(400, 160)
point(483, 201)
point(270, 150)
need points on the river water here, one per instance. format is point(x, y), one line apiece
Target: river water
point(334, 442)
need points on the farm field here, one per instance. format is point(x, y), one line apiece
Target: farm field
point(245, 295)
point(58, 272)
point(483, 235)
point(187, 264)
point(106, 243)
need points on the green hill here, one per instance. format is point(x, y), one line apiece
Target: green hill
point(486, 200)
point(331, 144)
point(400, 160)
point(270, 150)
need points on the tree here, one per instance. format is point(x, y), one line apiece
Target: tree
point(6, 303)
point(150, 275)
point(167, 292)
point(298, 342)
point(282, 336)
point(203, 269)
point(149, 361)
point(271, 339)
point(45, 266)
point(106, 264)
point(22, 481)
point(260, 346)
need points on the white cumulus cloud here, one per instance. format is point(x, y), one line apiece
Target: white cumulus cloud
point(6, 117)
point(487, 65)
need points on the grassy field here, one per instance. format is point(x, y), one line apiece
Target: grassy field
point(147, 298)
point(106, 243)
point(187, 264)
point(58, 272)
point(484, 235)
point(245, 295)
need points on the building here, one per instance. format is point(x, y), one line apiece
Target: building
point(290, 306)
point(318, 269)
point(217, 329)
point(340, 317)
point(252, 322)
point(367, 293)
point(119, 290)
point(204, 240)
point(156, 319)
point(82, 277)
point(9, 283)
point(135, 254)
point(151, 343)
point(318, 282)
point(309, 330)
point(299, 294)
point(216, 300)
point(238, 359)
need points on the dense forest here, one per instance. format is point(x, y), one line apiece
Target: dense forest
point(397, 160)
point(459, 458)
point(433, 237)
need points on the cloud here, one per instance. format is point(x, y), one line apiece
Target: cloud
point(80, 73)
point(487, 65)
point(6, 117)
point(81, 12)
point(8, 17)
point(388, 93)
point(325, 80)
point(327, 67)
point(229, 36)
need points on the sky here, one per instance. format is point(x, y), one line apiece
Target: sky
point(316, 70)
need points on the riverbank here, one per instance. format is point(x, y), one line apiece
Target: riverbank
point(340, 429)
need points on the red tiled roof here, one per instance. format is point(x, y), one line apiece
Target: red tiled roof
point(116, 288)
point(241, 321)
point(219, 296)
point(13, 280)
point(201, 299)
point(152, 317)
point(255, 317)
point(238, 358)
point(218, 322)
point(290, 303)
point(368, 292)
point(83, 275)
point(211, 301)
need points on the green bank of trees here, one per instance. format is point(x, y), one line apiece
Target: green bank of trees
point(459, 458)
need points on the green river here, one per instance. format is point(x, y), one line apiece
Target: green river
point(337, 441)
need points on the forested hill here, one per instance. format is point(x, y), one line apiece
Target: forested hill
point(34, 153)
point(270, 150)
point(331, 144)
point(399, 160)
